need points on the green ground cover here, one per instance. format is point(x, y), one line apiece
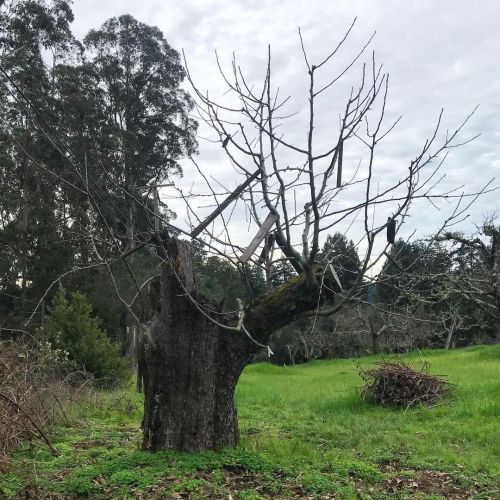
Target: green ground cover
point(305, 433)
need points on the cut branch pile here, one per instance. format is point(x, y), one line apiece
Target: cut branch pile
point(397, 384)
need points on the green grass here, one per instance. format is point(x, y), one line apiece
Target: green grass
point(304, 432)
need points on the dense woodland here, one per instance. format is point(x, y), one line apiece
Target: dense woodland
point(116, 103)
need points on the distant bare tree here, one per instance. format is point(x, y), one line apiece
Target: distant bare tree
point(477, 258)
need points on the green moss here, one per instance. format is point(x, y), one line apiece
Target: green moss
point(355, 469)
point(189, 485)
point(10, 484)
point(249, 495)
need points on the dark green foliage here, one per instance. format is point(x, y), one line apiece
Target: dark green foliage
point(32, 209)
point(412, 266)
point(342, 254)
point(454, 287)
point(221, 281)
point(281, 272)
point(146, 114)
point(71, 327)
point(117, 104)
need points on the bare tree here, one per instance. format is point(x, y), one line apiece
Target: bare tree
point(193, 352)
point(478, 260)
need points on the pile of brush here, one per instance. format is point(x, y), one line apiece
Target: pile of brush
point(397, 384)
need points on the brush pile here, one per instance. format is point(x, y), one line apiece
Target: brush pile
point(397, 384)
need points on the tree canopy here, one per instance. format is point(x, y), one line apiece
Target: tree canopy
point(88, 128)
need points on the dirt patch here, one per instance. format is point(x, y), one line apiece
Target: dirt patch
point(34, 493)
point(226, 483)
point(91, 443)
point(428, 482)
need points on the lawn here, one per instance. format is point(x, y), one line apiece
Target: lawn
point(305, 433)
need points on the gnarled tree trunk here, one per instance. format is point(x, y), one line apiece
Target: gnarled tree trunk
point(189, 366)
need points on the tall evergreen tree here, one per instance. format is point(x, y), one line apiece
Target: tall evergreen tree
point(341, 253)
point(31, 204)
point(124, 121)
point(412, 268)
point(147, 111)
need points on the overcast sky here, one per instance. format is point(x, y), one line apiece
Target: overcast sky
point(439, 53)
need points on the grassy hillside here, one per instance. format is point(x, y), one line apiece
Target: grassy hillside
point(305, 433)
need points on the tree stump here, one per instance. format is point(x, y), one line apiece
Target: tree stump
point(189, 366)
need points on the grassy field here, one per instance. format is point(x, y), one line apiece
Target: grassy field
point(305, 433)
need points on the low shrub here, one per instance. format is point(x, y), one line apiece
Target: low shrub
point(35, 386)
point(71, 328)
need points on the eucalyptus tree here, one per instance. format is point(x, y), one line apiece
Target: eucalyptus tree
point(84, 135)
point(30, 203)
point(140, 131)
point(147, 111)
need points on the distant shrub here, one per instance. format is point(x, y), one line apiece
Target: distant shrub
point(70, 327)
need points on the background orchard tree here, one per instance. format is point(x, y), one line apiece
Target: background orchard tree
point(448, 281)
point(477, 257)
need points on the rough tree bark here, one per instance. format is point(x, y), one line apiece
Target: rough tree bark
point(189, 367)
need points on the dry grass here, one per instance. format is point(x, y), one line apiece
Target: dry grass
point(35, 386)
